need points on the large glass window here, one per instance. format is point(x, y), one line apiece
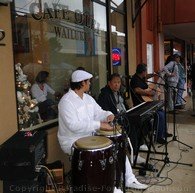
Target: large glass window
point(118, 43)
point(118, 4)
point(57, 37)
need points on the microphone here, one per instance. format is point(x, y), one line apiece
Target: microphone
point(119, 115)
point(156, 73)
point(159, 75)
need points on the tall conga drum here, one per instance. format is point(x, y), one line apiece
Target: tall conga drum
point(93, 168)
point(119, 155)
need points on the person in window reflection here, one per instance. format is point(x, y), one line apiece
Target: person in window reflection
point(80, 116)
point(39, 91)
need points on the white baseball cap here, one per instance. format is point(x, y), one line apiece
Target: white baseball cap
point(80, 75)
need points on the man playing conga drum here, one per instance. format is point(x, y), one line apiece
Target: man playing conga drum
point(80, 116)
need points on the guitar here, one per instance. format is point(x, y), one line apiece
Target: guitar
point(157, 92)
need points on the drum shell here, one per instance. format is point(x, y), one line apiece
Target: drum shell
point(89, 175)
point(119, 154)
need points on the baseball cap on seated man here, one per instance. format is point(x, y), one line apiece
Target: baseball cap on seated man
point(80, 75)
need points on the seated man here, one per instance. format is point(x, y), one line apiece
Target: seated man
point(139, 88)
point(111, 99)
point(80, 116)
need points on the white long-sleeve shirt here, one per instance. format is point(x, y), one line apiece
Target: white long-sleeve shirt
point(78, 118)
point(41, 95)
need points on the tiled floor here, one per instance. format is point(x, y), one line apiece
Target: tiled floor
point(175, 177)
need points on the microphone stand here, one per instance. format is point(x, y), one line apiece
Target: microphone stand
point(174, 112)
point(166, 159)
point(180, 94)
point(174, 120)
point(124, 160)
point(193, 103)
point(116, 120)
point(125, 142)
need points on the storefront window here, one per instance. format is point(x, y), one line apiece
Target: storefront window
point(118, 4)
point(118, 43)
point(101, 1)
point(57, 37)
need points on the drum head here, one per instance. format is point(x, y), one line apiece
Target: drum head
point(115, 132)
point(92, 142)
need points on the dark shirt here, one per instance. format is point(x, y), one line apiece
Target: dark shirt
point(108, 101)
point(136, 81)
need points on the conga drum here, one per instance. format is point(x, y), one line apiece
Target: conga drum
point(119, 155)
point(93, 168)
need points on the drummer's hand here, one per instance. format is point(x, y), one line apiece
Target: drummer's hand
point(110, 118)
point(105, 126)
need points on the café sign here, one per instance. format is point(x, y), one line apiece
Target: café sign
point(62, 12)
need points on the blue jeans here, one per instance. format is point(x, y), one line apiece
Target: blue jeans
point(181, 84)
point(160, 123)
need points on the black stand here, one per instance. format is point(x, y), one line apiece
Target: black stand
point(166, 160)
point(124, 159)
point(146, 166)
point(119, 156)
point(174, 122)
point(193, 102)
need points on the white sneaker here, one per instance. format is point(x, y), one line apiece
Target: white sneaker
point(140, 160)
point(116, 190)
point(136, 185)
point(143, 147)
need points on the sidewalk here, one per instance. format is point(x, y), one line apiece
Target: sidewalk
point(175, 177)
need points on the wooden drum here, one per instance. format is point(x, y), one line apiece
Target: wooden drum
point(119, 154)
point(93, 168)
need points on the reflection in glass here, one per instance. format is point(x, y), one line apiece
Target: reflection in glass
point(119, 39)
point(118, 30)
point(40, 90)
point(103, 1)
point(58, 37)
point(27, 107)
point(118, 4)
